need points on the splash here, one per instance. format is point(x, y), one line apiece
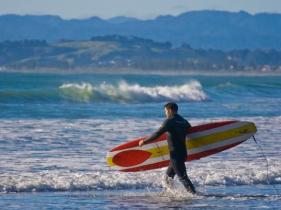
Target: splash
point(132, 93)
point(69, 155)
point(77, 92)
point(52, 181)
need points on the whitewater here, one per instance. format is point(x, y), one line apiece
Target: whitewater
point(56, 130)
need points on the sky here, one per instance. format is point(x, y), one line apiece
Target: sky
point(142, 9)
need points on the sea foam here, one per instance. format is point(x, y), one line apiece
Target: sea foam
point(109, 180)
point(69, 155)
point(124, 92)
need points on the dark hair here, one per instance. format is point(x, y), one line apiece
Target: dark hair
point(172, 105)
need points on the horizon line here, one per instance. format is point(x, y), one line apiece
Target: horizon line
point(138, 18)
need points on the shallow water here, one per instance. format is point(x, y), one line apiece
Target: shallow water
point(56, 129)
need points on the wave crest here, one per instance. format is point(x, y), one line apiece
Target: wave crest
point(124, 92)
point(79, 181)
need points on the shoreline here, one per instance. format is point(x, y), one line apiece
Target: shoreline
point(140, 72)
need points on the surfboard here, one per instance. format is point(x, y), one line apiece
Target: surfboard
point(201, 141)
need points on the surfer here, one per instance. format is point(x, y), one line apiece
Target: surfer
point(176, 127)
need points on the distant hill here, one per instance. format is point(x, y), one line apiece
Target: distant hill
point(120, 52)
point(200, 29)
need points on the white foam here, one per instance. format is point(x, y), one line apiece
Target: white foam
point(228, 175)
point(124, 92)
point(66, 155)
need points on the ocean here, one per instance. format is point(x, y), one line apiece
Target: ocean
point(56, 129)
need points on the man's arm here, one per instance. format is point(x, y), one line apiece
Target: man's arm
point(188, 126)
point(155, 135)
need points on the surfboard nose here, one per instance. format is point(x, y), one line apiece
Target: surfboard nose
point(130, 157)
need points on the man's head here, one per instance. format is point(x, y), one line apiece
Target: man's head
point(171, 108)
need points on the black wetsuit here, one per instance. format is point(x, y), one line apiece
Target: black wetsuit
point(176, 128)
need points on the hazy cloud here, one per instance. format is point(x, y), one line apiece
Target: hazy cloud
point(134, 8)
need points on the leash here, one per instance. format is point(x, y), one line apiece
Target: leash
point(267, 166)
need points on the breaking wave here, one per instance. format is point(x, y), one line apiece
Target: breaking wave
point(79, 181)
point(124, 92)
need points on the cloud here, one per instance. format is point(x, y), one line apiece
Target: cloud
point(133, 8)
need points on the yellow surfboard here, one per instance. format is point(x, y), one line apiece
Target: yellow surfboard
point(202, 141)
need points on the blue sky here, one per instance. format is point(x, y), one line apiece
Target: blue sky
point(144, 9)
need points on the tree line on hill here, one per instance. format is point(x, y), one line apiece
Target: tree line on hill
point(115, 51)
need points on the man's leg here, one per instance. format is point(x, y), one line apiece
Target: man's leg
point(170, 171)
point(170, 174)
point(187, 184)
point(180, 169)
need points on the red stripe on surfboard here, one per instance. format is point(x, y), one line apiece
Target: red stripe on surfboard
point(130, 157)
point(148, 167)
point(198, 128)
point(208, 126)
point(135, 143)
point(189, 158)
point(197, 156)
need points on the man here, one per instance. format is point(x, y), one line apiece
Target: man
point(176, 128)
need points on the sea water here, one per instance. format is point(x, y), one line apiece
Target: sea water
point(56, 129)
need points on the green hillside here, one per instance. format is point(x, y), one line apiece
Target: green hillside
point(133, 53)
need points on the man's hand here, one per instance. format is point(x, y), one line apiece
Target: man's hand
point(141, 142)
